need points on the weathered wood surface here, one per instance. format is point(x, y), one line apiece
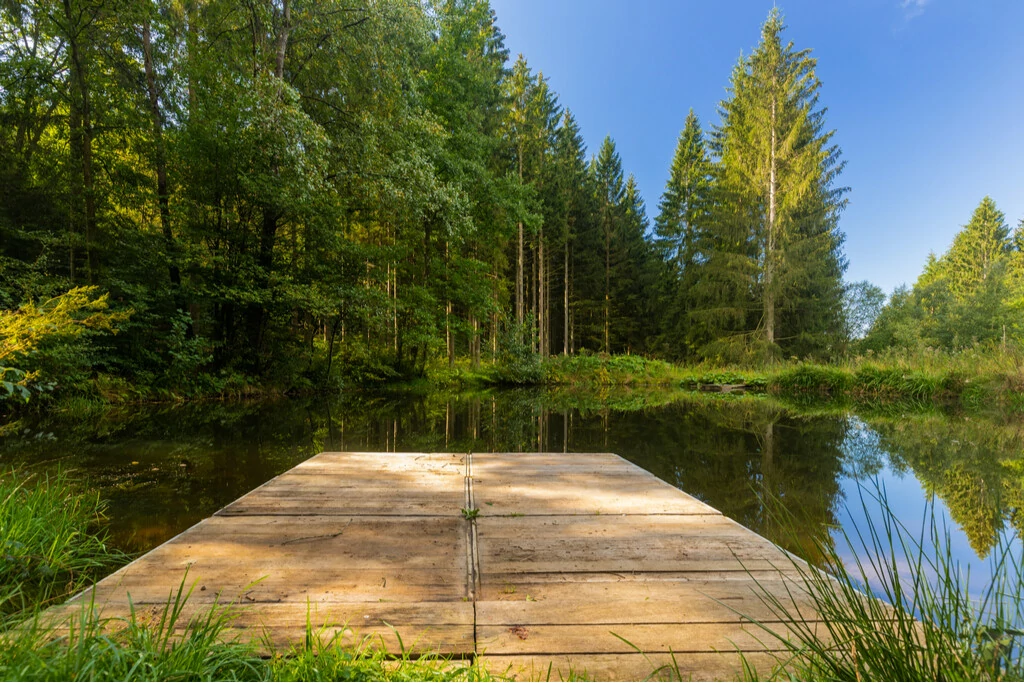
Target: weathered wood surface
point(572, 560)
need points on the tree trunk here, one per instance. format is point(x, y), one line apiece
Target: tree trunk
point(533, 298)
point(474, 345)
point(449, 338)
point(81, 134)
point(520, 308)
point(282, 38)
point(769, 260)
point(607, 286)
point(541, 313)
point(565, 303)
point(163, 195)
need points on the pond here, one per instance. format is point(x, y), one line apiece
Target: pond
point(163, 469)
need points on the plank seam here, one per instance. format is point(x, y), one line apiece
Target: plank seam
point(472, 568)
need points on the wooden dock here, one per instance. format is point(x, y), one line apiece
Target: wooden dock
point(569, 556)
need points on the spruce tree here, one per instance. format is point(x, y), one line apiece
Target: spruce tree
point(682, 214)
point(778, 173)
point(633, 276)
point(569, 169)
point(976, 250)
point(610, 193)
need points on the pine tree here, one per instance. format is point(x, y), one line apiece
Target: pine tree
point(968, 295)
point(976, 249)
point(778, 169)
point(532, 121)
point(682, 214)
point(569, 168)
point(633, 276)
point(610, 193)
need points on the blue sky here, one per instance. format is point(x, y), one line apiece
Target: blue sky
point(926, 97)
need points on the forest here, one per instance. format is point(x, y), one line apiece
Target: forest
point(215, 197)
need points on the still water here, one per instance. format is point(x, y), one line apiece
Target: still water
point(163, 469)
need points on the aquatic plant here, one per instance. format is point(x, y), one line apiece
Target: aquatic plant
point(920, 621)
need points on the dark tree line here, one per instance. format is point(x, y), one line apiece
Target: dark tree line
point(282, 191)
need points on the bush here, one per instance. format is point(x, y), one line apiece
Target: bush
point(809, 378)
point(41, 344)
point(517, 363)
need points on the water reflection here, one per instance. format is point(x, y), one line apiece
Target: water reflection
point(165, 469)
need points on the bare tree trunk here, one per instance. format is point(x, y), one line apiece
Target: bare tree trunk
point(565, 302)
point(607, 287)
point(282, 38)
point(541, 313)
point(162, 191)
point(547, 306)
point(520, 308)
point(769, 260)
point(571, 314)
point(449, 338)
point(475, 344)
point(534, 276)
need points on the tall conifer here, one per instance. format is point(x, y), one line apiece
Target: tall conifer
point(778, 169)
point(682, 214)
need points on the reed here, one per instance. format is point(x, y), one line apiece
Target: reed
point(899, 608)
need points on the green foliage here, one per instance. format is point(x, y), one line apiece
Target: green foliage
point(51, 542)
point(602, 370)
point(517, 363)
point(203, 649)
point(862, 304)
point(966, 297)
point(682, 223)
point(770, 276)
point(807, 377)
point(43, 345)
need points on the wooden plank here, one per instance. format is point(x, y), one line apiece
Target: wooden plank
point(626, 639)
point(736, 574)
point(725, 666)
point(396, 484)
point(559, 483)
point(357, 615)
point(631, 603)
point(621, 543)
point(568, 551)
point(149, 584)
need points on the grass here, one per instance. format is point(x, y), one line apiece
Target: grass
point(88, 646)
point(924, 624)
point(52, 544)
point(976, 379)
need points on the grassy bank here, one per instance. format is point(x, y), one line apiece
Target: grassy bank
point(973, 379)
point(91, 647)
point(52, 542)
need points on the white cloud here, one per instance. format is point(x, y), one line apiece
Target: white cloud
point(913, 8)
